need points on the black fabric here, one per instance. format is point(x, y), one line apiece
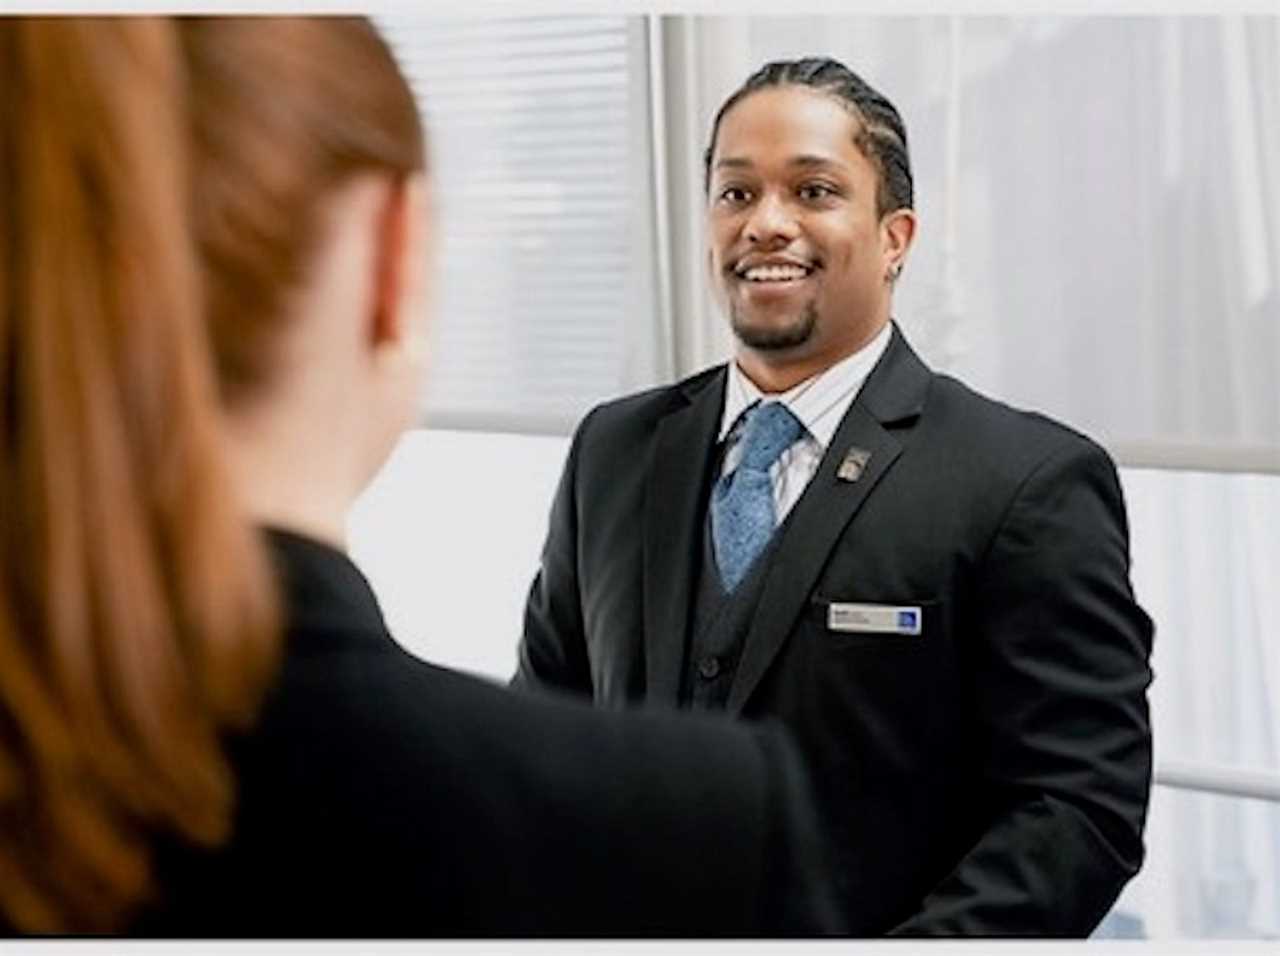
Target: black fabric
point(988, 776)
point(383, 796)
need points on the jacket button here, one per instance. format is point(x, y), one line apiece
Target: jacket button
point(709, 667)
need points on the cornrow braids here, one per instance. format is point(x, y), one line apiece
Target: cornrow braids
point(881, 135)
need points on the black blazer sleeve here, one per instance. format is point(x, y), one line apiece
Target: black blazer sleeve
point(553, 650)
point(1060, 681)
point(378, 795)
point(406, 800)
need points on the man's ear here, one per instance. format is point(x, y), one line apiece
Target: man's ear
point(391, 323)
point(897, 230)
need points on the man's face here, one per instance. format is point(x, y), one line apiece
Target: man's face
point(798, 253)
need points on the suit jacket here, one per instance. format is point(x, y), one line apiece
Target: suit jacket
point(989, 776)
point(380, 795)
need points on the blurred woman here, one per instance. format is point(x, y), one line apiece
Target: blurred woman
point(206, 729)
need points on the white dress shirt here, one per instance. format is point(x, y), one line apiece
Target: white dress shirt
point(819, 402)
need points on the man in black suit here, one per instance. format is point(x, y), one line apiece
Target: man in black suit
point(943, 614)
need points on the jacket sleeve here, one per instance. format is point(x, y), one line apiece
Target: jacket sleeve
point(567, 820)
point(553, 651)
point(1060, 679)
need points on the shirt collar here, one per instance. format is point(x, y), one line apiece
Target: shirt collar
point(819, 402)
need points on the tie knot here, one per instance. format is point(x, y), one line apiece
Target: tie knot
point(770, 430)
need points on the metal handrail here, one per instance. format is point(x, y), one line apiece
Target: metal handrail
point(1220, 779)
point(1192, 456)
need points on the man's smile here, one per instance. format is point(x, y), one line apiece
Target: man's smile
point(773, 272)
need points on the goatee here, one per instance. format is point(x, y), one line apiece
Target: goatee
point(774, 338)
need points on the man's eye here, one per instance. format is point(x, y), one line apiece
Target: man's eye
point(733, 195)
point(816, 191)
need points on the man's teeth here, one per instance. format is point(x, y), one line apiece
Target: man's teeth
point(775, 273)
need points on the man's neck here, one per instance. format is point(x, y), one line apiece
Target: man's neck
point(771, 378)
point(774, 372)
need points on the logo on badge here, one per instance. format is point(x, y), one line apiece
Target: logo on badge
point(854, 463)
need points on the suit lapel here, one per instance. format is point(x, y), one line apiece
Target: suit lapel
point(683, 451)
point(862, 451)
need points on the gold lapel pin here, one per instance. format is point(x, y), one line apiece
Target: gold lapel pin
point(854, 464)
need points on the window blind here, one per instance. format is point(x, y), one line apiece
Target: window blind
point(538, 136)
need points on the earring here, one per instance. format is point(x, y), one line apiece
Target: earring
point(895, 270)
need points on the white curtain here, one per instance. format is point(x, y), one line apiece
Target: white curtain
point(1206, 563)
point(1100, 214)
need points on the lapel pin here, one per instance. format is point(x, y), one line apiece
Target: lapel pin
point(854, 464)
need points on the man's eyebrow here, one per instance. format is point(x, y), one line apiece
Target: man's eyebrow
point(811, 160)
point(805, 159)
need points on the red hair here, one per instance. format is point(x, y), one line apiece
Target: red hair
point(160, 192)
point(282, 110)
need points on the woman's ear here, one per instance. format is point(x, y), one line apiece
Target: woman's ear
point(391, 324)
point(403, 255)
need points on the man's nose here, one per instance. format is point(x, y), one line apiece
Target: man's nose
point(772, 222)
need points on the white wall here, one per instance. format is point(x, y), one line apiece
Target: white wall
point(449, 536)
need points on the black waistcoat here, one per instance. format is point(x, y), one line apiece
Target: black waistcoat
point(719, 623)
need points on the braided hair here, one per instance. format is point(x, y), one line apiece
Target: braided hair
point(881, 135)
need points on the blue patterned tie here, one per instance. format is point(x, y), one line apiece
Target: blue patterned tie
point(742, 516)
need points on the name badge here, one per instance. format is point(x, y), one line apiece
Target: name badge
point(874, 619)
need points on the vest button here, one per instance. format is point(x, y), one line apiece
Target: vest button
point(709, 667)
